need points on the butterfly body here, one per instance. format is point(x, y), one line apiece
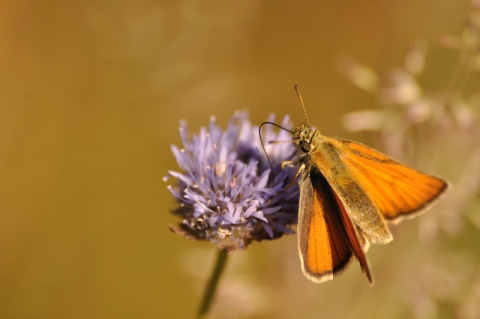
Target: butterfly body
point(347, 193)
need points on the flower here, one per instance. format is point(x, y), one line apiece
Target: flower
point(225, 190)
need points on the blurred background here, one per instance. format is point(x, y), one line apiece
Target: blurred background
point(91, 95)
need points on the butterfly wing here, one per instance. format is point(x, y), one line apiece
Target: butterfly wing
point(395, 189)
point(326, 156)
point(325, 243)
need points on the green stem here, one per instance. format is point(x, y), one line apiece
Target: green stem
point(209, 293)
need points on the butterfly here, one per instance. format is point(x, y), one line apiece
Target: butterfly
point(348, 193)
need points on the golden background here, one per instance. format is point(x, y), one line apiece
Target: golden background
point(91, 95)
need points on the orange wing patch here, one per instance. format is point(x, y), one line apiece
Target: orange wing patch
point(396, 190)
point(323, 243)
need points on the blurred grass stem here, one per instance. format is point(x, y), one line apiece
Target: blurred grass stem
point(211, 288)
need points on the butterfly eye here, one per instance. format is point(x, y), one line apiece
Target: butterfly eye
point(305, 146)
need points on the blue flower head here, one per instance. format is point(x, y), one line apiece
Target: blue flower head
point(224, 188)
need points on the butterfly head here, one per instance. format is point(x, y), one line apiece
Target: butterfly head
point(303, 137)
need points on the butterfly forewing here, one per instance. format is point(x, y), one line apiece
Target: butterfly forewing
point(322, 240)
point(395, 189)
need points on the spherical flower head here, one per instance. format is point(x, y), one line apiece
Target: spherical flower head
point(225, 190)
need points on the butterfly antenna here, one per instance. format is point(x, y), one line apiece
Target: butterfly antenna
point(297, 89)
point(263, 145)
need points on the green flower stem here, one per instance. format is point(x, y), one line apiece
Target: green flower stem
point(209, 293)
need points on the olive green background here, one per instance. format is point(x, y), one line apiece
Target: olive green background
point(91, 95)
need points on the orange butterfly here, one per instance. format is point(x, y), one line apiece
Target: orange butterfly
point(348, 192)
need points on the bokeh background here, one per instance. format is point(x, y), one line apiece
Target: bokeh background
point(91, 95)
